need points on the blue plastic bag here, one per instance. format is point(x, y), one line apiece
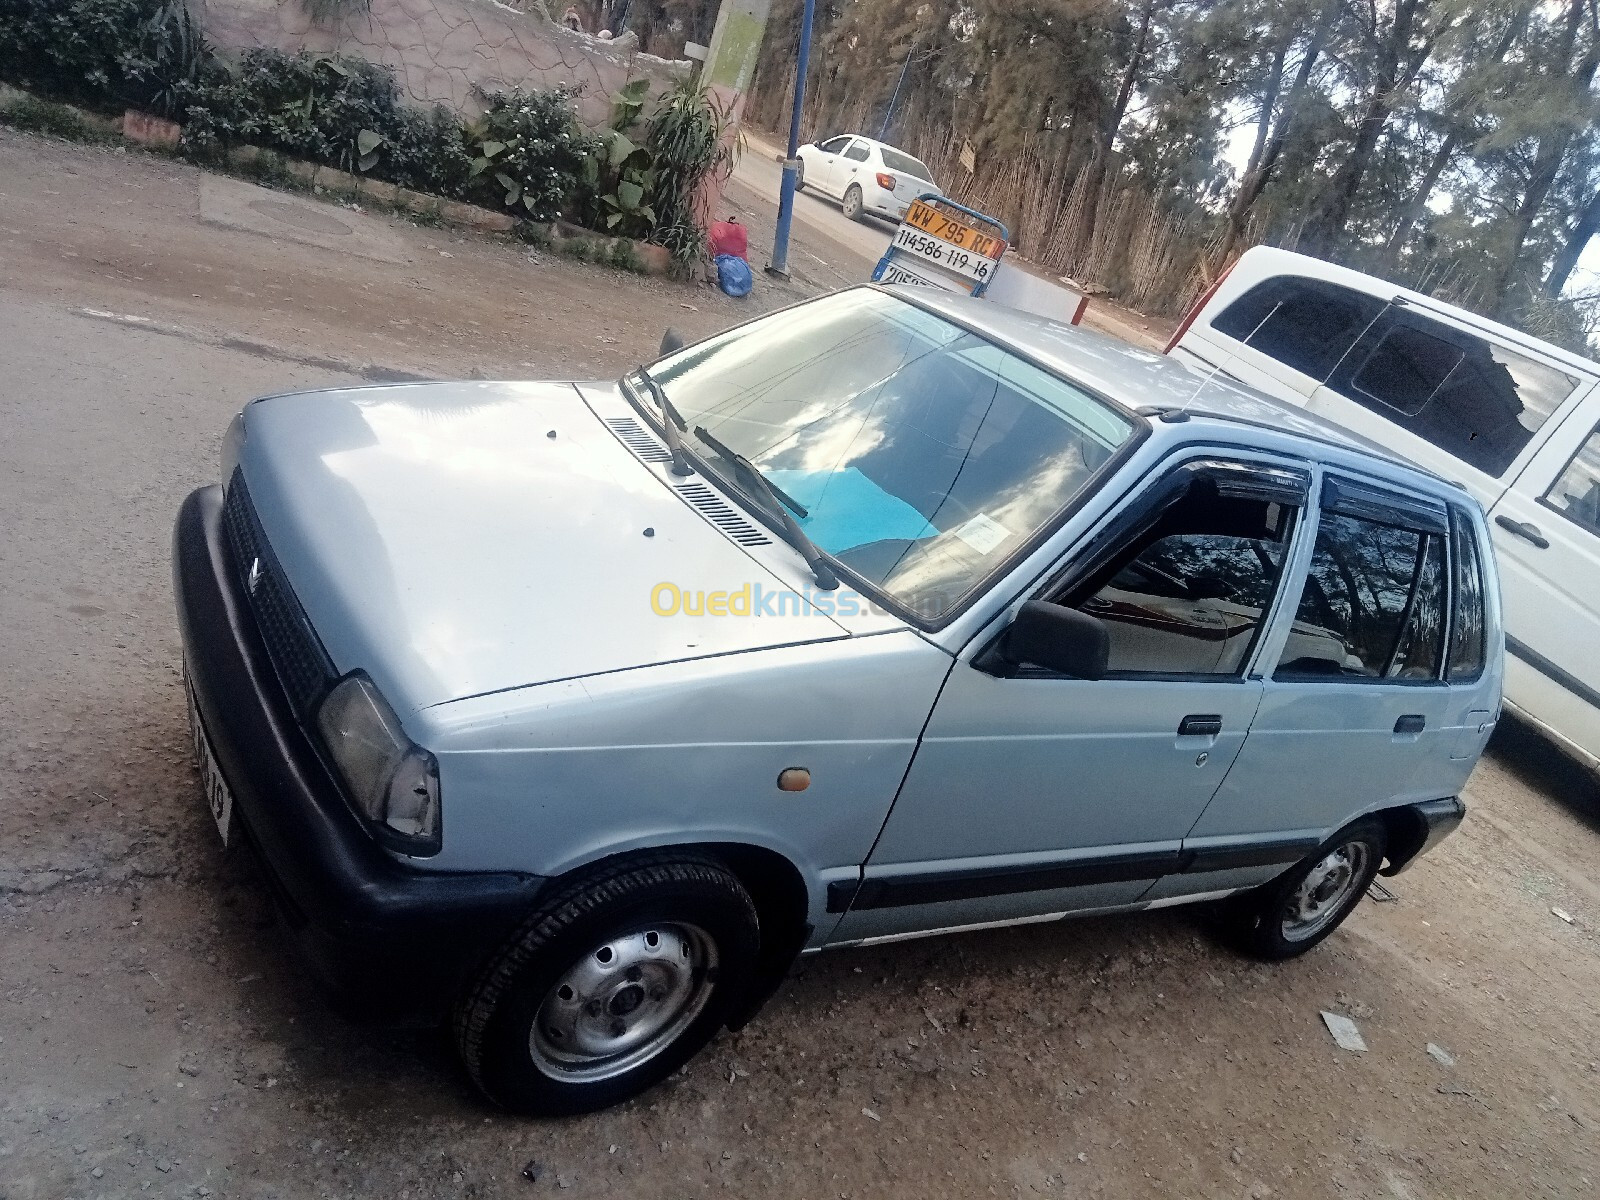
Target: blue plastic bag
point(733, 275)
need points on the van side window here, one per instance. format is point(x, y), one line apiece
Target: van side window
point(1577, 493)
point(1466, 630)
point(1187, 596)
point(1372, 606)
point(1306, 324)
point(1466, 395)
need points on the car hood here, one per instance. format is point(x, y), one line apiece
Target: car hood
point(463, 538)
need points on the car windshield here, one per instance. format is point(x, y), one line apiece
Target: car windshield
point(905, 164)
point(923, 455)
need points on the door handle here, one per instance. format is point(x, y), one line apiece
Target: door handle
point(1411, 723)
point(1526, 530)
point(1200, 725)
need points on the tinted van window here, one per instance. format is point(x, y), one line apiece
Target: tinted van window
point(1466, 395)
point(1372, 605)
point(1466, 631)
point(1306, 324)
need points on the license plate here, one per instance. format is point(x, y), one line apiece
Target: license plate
point(218, 796)
point(911, 240)
point(958, 233)
point(899, 272)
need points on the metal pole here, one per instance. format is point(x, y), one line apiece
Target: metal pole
point(883, 132)
point(779, 265)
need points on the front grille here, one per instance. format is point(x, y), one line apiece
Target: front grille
point(297, 656)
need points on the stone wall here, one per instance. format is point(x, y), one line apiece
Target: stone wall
point(444, 51)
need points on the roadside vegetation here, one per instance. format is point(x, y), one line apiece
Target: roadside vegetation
point(1140, 145)
point(526, 154)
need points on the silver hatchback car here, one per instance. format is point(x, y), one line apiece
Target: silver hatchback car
point(573, 712)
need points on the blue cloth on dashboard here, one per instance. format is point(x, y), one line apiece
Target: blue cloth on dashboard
point(847, 509)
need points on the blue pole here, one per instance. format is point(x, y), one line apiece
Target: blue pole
point(779, 265)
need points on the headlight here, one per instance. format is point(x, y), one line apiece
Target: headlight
point(393, 782)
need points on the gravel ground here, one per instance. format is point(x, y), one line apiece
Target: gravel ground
point(157, 1038)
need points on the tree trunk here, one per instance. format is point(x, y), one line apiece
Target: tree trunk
point(1546, 163)
point(1260, 172)
point(1572, 249)
point(1113, 122)
point(1396, 69)
point(1419, 201)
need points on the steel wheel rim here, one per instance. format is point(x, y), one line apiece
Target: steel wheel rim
point(624, 1002)
point(1323, 893)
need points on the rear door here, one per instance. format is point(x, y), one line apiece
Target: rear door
point(1547, 535)
point(849, 166)
point(1356, 712)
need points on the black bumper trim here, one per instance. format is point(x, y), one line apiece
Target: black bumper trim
point(396, 943)
point(1430, 822)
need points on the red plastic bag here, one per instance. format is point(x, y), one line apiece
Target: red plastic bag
point(729, 237)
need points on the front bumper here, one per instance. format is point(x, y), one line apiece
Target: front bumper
point(396, 944)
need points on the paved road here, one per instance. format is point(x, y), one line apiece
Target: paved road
point(157, 1038)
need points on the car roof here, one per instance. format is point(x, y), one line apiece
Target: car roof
point(1141, 379)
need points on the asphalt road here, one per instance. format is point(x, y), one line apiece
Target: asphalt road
point(157, 1036)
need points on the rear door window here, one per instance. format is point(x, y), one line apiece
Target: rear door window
point(1373, 602)
point(1466, 395)
point(1307, 324)
point(858, 151)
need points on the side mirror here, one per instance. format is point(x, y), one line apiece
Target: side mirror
point(1059, 639)
point(671, 342)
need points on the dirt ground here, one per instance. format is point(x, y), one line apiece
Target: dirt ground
point(156, 1037)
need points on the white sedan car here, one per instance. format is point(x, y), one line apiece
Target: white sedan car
point(866, 176)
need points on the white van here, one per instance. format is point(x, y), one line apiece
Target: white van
point(1513, 419)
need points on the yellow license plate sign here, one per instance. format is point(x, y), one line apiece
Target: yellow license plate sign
point(949, 229)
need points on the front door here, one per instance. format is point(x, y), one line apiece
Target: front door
point(1034, 794)
point(1357, 713)
point(1546, 531)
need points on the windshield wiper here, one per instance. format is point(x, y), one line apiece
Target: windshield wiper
point(780, 504)
point(671, 425)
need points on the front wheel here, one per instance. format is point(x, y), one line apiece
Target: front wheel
point(1296, 911)
point(799, 175)
point(852, 203)
point(610, 986)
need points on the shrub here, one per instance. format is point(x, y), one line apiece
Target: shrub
point(147, 53)
point(345, 112)
point(527, 152)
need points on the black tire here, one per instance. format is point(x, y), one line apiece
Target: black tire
point(853, 207)
point(617, 905)
point(799, 176)
point(1272, 923)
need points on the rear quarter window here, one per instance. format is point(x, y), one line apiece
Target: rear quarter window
point(1307, 324)
point(1467, 626)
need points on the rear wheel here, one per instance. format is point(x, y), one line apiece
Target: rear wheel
point(1296, 911)
point(852, 203)
point(612, 985)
